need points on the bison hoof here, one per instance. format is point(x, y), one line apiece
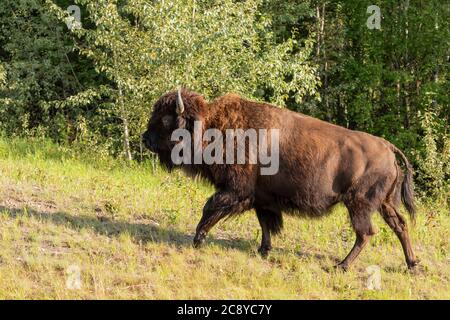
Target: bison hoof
point(342, 267)
point(413, 266)
point(264, 251)
point(199, 240)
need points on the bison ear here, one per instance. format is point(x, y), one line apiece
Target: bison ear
point(180, 103)
point(186, 122)
point(181, 122)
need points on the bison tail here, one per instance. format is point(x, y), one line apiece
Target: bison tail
point(407, 190)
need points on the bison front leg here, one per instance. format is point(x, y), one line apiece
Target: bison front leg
point(219, 206)
point(270, 222)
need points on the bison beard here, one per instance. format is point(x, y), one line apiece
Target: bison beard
point(320, 165)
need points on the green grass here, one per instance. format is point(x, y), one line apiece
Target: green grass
point(129, 229)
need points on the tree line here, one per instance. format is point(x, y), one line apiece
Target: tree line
point(92, 82)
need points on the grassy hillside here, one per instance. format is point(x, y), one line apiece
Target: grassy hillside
point(128, 230)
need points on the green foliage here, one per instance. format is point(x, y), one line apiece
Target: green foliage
point(384, 81)
point(93, 87)
point(213, 47)
point(40, 75)
point(434, 159)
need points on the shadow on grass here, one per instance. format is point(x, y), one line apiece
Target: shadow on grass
point(140, 232)
point(149, 233)
point(316, 256)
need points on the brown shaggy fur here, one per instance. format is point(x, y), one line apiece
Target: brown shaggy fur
point(320, 165)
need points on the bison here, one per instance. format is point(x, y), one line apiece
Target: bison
point(320, 165)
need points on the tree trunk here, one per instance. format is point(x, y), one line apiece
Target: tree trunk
point(126, 134)
point(318, 32)
point(325, 70)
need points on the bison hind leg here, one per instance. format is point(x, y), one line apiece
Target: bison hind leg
point(397, 223)
point(362, 200)
point(360, 216)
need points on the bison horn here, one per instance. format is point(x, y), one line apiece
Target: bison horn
point(180, 104)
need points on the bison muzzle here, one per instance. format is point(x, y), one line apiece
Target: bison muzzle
point(320, 165)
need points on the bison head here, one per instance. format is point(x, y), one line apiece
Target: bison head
point(175, 109)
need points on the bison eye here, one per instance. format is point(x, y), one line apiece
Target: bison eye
point(167, 121)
